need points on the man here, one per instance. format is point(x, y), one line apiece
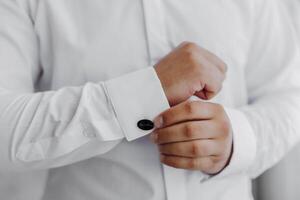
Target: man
point(82, 83)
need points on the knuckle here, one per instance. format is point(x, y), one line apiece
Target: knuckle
point(191, 57)
point(190, 52)
point(193, 164)
point(167, 117)
point(190, 46)
point(196, 149)
point(191, 107)
point(190, 130)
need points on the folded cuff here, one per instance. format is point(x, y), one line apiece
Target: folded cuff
point(244, 144)
point(136, 96)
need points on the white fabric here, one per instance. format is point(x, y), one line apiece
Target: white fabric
point(75, 79)
point(282, 181)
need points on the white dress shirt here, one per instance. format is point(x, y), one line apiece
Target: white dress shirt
point(76, 77)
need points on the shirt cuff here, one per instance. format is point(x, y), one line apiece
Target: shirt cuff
point(244, 144)
point(136, 96)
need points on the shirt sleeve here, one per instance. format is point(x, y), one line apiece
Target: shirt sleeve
point(268, 127)
point(54, 128)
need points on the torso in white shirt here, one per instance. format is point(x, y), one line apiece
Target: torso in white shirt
point(95, 40)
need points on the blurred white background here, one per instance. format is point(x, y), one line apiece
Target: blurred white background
point(282, 182)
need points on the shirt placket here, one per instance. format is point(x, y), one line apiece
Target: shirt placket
point(155, 30)
point(158, 47)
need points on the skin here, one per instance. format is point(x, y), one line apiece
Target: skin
point(193, 135)
point(190, 70)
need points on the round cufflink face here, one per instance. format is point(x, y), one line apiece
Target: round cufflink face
point(145, 124)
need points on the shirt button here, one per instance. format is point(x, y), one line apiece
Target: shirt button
point(145, 124)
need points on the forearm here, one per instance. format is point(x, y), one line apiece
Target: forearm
point(55, 128)
point(275, 122)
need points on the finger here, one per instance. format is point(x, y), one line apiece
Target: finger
point(186, 111)
point(192, 149)
point(205, 94)
point(186, 131)
point(204, 164)
point(213, 82)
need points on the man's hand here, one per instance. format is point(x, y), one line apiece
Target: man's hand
point(190, 70)
point(194, 135)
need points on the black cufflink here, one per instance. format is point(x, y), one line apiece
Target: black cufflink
point(145, 124)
